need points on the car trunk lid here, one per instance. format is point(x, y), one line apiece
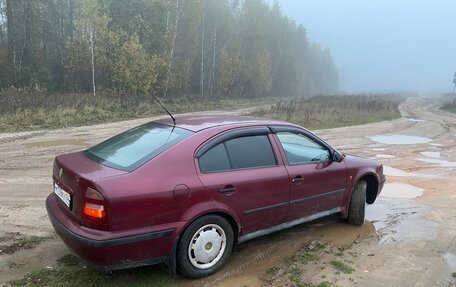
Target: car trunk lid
point(74, 173)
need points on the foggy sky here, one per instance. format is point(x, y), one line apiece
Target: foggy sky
point(384, 45)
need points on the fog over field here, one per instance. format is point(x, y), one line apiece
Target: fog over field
point(384, 45)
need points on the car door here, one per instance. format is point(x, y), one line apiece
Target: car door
point(241, 172)
point(317, 183)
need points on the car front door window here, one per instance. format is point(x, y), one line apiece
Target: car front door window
point(300, 149)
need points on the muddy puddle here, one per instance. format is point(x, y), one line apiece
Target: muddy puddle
point(390, 220)
point(400, 220)
point(433, 154)
point(391, 171)
point(379, 149)
point(251, 261)
point(401, 190)
point(399, 139)
point(60, 142)
point(450, 259)
point(439, 162)
point(414, 120)
point(341, 233)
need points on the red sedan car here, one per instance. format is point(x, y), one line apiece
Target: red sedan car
point(185, 194)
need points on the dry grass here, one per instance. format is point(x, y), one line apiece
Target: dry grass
point(29, 109)
point(449, 107)
point(334, 111)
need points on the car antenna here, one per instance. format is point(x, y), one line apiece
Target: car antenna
point(173, 118)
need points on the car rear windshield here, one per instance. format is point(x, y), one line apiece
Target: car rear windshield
point(132, 148)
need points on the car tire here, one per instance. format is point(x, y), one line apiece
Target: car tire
point(205, 246)
point(357, 208)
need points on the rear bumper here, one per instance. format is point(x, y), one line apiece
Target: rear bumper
point(108, 250)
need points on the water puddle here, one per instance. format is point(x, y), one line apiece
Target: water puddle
point(379, 149)
point(385, 156)
point(450, 259)
point(414, 120)
point(433, 154)
point(250, 261)
point(391, 171)
point(440, 162)
point(60, 142)
point(400, 220)
point(399, 139)
point(436, 145)
point(342, 233)
point(401, 190)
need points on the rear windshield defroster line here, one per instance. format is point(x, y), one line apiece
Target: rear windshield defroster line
point(133, 148)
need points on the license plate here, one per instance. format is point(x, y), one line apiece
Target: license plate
point(62, 194)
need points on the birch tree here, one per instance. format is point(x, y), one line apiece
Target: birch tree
point(202, 48)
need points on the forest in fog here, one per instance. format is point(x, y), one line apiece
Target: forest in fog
point(212, 48)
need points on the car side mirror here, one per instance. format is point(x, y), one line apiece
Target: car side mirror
point(337, 156)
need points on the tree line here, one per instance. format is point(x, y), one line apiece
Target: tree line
point(237, 48)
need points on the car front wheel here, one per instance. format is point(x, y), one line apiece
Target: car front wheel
point(356, 210)
point(205, 246)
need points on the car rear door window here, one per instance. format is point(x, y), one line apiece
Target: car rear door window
point(238, 153)
point(250, 152)
point(215, 159)
point(300, 149)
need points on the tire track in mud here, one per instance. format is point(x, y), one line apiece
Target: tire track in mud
point(270, 252)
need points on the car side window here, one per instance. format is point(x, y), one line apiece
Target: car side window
point(250, 152)
point(215, 159)
point(300, 149)
point(238, 153)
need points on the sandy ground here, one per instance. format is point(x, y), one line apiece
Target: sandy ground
point(408, 238)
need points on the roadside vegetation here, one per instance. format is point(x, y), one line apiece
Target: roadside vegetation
point(30, 109)
point(334, 111)
point(12, 242)
point(70, 273)
point(449, 107)
point(317, 264)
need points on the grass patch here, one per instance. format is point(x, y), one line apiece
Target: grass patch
point(453, 274)
point(322, 284)
point(334, 111)
point(316, 246)
point(29, 109)
point(294, 275)
point(273, 270)
point(14, 241)
point(68, 260)
point(449, 107)
point(69, 277)
point(308, 257)
point(342, 267)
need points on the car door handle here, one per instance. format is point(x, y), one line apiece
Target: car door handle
point(297, 179)
point(227, 189)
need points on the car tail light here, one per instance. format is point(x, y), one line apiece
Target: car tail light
point(94, 206)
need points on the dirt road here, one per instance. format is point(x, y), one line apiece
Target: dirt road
point(407, 240)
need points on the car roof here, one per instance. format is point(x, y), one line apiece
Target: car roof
point(197, 123)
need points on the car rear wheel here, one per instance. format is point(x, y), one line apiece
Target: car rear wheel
point(357, 206)
point(205, 246)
